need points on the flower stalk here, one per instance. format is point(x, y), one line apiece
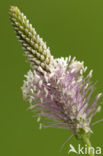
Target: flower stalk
point(86, 141)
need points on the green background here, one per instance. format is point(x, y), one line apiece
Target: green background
point(70, 27)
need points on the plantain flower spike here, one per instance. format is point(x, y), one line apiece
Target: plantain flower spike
point(57, 89)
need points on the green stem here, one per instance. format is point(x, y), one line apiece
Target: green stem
point(87, 142)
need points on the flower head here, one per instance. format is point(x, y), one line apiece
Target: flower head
point(55, 88)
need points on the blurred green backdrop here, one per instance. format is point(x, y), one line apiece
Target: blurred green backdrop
point(70, 27)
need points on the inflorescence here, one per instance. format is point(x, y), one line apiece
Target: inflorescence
point(55, 88)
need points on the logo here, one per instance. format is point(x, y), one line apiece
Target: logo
point(84, 149)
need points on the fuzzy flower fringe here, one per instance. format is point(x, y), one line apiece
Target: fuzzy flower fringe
point(55, 88)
